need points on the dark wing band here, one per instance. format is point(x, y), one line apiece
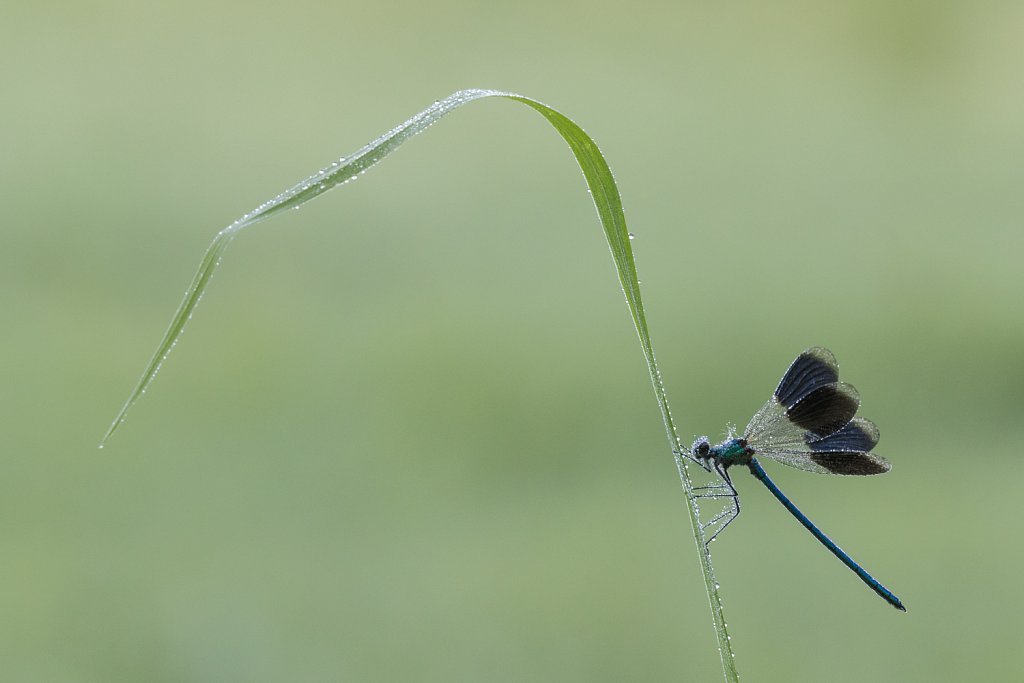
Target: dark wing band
point(846, 451)
point(812, 369)
point(859, 435)
point(826, 409)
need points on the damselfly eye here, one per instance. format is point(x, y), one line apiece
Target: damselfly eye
point(701, 447)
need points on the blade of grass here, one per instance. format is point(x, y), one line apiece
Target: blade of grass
point(606, 198)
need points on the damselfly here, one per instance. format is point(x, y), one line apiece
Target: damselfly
point(809, 423)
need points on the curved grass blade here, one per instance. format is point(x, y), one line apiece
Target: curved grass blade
point(609, 208)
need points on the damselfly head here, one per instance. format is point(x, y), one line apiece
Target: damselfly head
point(701, 448)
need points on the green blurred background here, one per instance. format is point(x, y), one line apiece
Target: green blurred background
point(409, 434)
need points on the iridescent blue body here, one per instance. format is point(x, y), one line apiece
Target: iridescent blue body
point(809, 423)
point(732, 452)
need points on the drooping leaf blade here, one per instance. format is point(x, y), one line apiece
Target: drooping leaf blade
point(607, 200)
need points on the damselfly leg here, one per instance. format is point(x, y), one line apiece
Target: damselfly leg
point(723, 489)
point(715, 491)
